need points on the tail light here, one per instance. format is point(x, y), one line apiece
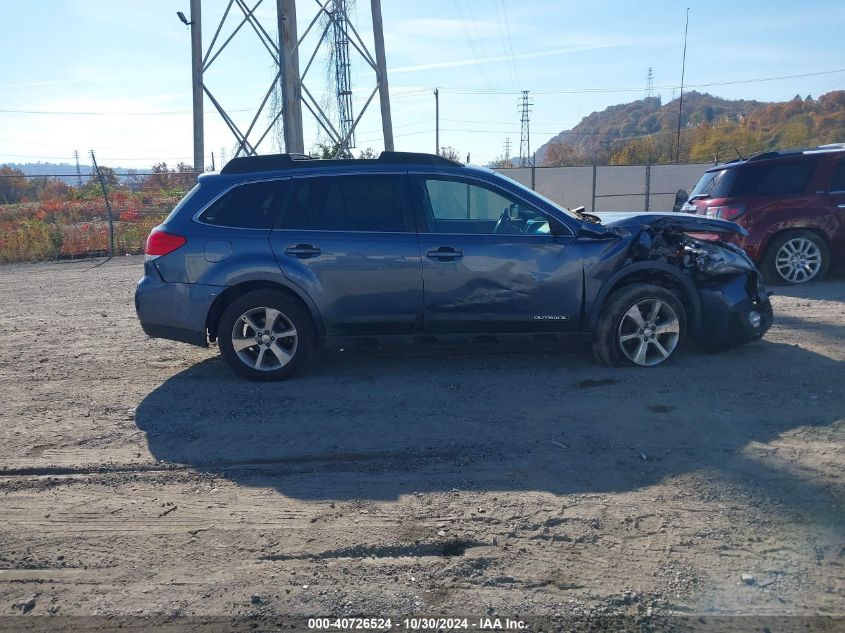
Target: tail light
point(727, 212)
point(161, 243)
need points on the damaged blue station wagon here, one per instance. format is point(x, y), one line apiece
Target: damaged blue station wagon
point(280, 253)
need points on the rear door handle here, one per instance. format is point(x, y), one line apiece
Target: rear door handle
point(444, 253)
point(303, 251)
point(840, 206)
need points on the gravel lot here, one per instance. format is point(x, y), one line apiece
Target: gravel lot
point(141, 476)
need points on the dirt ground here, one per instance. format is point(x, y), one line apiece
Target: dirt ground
point(141, 476)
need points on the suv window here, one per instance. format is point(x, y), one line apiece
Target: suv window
point(715, 184)
point(249, 206)
point(776, 179)
point(838, 184)
point(347, 203)
point(455, 206)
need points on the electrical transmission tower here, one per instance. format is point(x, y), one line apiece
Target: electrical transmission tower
point(78, 171)
point(285, 50)
point(649, 83)
point(342, 73)
point(525, 105)
point(506, 150)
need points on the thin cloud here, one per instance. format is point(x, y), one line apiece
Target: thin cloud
point(495, 59)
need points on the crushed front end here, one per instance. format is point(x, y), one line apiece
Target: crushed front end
point(734, 303)
point(735, 306)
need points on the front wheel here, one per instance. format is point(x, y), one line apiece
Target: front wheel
point(266, 335)
point(797, 257)
point(641, 325)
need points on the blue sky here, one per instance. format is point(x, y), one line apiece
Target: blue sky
point(127, 63)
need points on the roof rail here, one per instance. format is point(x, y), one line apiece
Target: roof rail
point(416, 158)
point(275, 162)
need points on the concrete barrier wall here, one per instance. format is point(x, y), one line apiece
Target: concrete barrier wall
point(618, 188)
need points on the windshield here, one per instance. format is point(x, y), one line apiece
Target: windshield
point(714, 184)
point(530, 191)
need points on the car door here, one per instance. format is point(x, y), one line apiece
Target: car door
point(490, 262)
point(837, 208)
point(349, 241)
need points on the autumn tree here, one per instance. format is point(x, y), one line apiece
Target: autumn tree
point(13, 184)
point(560, 154)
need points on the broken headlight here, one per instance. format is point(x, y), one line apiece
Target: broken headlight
point(719, 259)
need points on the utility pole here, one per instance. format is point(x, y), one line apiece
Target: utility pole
point(108, 204)
point(78, 171)
point(681, 100)
point(291, 91)
point(525, 105)
point(437, 121)
point(381, 62)
point(196, 83)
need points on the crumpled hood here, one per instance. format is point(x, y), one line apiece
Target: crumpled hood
point(685, 222)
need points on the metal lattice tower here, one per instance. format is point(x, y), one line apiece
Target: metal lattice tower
point(506, 149)
point(525, 105)
point(285, 50)
point(649, 83)
point(78, 171)
point(342, 73)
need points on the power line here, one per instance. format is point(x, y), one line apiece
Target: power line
point(600, 90)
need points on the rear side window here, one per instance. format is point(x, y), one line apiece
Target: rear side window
point(838, 184)
point(347, 203)
point(249, 206)
point(777, 179)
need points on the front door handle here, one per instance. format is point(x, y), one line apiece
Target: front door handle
point(840, 206)
point(303, 251)
point(444, 253)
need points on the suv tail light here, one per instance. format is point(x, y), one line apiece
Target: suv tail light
point(161, 243)
point(727, 212)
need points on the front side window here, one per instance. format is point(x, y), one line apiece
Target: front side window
point(347, 203)
point(249, 206)
point(455, 206)
point(838, 184)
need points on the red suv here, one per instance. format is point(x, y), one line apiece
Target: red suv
point(791, 202)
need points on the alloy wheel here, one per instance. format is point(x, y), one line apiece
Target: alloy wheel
point(649, 332)
point(264, 339)
point(798, 260)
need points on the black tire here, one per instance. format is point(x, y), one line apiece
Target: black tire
point(283, 356)
point(607, 346)
point(774, 276)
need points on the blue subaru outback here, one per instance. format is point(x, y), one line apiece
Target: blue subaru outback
point(278, 254)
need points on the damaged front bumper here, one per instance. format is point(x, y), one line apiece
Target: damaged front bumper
point(734, 310)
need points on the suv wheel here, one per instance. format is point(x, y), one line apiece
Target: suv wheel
point(265, 335)
point(797, 257)
point(641, 324)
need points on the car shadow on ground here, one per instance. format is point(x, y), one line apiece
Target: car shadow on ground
point(828, 289)
point(380, 424)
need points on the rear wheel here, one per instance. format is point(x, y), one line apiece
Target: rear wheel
point(266, 335)
point(641, 324)
point(797, 257)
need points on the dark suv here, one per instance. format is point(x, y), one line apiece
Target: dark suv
point(277, 254)
point(792, 203)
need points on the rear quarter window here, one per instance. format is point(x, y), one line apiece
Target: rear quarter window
point(249, 206)
point(715, 184)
